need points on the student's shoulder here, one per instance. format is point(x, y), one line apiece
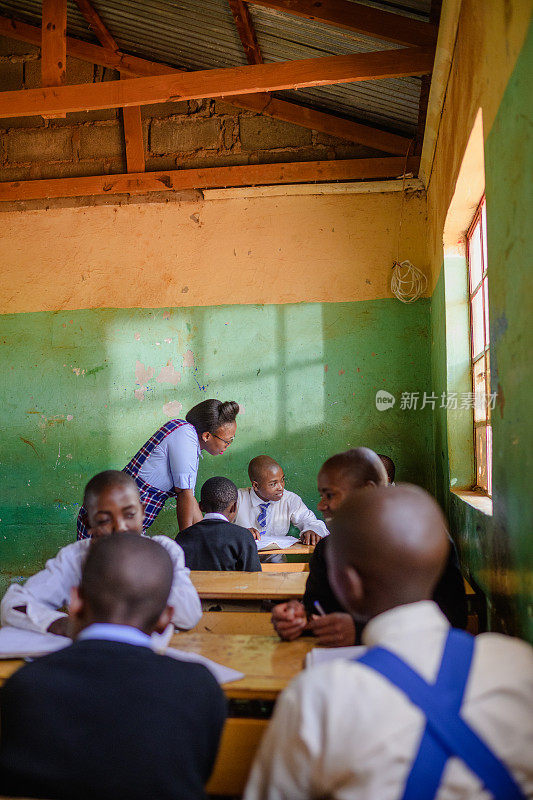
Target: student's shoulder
point(73, 552)
point(186, 672)
point(244, 493)
point(292, 498)
point(240, 532)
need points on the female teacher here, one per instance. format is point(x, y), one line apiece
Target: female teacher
point(167, 465)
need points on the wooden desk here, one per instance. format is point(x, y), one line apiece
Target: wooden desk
point(294, 550)
point(215, 585)
point(268, 663)
point(256, 623)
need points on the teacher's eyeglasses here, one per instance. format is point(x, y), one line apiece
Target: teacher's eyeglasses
point(223, 440)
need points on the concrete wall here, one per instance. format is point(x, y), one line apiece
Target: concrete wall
point(491, 71)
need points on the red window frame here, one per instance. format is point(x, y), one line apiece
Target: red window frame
point(476, 241)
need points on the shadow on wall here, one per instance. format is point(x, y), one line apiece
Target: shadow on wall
point(89, 387)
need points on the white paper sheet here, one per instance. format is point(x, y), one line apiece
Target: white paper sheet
point(275, 542)
point(219, 671)
point(18, 643)
point(319, 655)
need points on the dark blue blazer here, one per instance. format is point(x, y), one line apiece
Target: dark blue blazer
point(111, 721)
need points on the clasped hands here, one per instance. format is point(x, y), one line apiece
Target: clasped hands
point(332, 630)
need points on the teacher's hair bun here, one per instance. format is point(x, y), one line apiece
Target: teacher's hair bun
point(228, 411)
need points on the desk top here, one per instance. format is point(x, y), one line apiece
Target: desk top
point(219, 585)
point(268, 663)
point(256, 623)
point(294, 550)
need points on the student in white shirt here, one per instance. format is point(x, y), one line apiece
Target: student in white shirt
point(267, 507)
point(113, 506)
point(352, 728)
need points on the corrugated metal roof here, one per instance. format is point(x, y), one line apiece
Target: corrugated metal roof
point(202, 35)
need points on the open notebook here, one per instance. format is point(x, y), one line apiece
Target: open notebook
point(16, 643)
point(267, 542)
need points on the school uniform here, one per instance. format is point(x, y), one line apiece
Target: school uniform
point(449, 593)
point(216, 544)
point(167, 461)
point(343, 729)
point(49, 590)
point(275, 517)
point(108, 718)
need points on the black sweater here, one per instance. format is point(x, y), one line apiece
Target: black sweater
point(111, 721)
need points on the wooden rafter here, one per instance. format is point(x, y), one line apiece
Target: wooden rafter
point(362, 19)
point(258, 102)
point(434, 18)
point(218, 82)
point(215, 177)
point(54, 45)
point(96, 24)
point(131, 116)
point(245, 29)
point(133, 136)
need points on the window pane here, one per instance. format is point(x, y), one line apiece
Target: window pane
point(487, 365)
point(481, 457)
point(486, 309)
point(480, 400)
point(474, 256)
point(489, 460)
point(478, 331)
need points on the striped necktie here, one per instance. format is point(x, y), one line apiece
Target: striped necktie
point(261, 519)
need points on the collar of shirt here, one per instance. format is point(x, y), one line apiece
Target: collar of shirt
point(115, 633)
point(215, 515)
point(256, 500)
point(403, 620)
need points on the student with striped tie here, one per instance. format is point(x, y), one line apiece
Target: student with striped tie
point(267, 507)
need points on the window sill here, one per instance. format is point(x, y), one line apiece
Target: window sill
point(481, 502)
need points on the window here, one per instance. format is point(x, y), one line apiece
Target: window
point(480, 346)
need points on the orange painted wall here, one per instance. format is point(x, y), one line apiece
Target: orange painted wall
point(333, 248)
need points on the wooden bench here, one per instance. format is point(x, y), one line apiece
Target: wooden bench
point(238, 746)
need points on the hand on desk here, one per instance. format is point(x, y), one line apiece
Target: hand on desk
point(255, 533)
point(333, 630)
point(289, 619)
point(309, 537)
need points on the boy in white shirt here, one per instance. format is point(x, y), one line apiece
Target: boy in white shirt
point(113, 506)
point(267, 507)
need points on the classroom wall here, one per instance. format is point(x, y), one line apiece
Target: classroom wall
point(491, 70)
point(116, 318)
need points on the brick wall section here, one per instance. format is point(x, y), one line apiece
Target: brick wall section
point(204, 133)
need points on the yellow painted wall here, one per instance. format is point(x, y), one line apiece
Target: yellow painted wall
point(333, 248)
point(489, 39)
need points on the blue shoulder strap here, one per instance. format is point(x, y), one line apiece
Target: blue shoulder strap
point(446, 734)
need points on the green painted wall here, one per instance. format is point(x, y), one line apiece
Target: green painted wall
point(306, 374)
point(509, 167)
point(497, 551)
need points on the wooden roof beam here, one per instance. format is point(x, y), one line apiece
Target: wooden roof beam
point(245, 29)
point(359, 18)
point(54, 45)
point(176, 180)
point(260, 102)
point(131, 116)
point(218, 82)
point(96, 25)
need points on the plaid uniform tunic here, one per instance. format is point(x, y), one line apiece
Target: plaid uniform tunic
point(154, 499)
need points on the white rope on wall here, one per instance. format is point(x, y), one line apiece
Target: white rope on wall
point(407, 283)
